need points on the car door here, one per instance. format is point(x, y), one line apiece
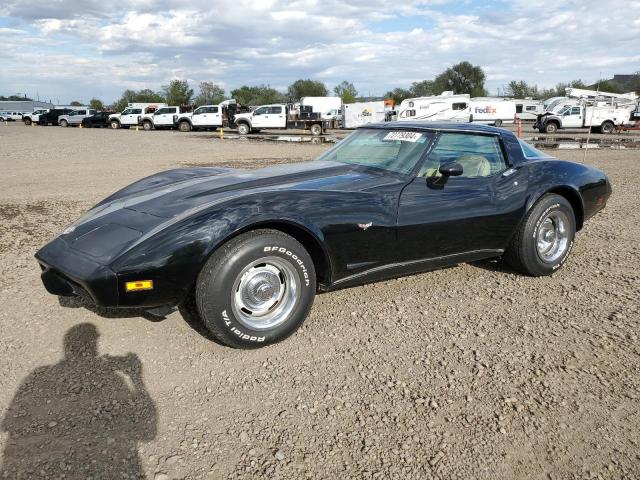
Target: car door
point(164, 116)
point(572, 118)
point(199, 117)
point(473, 214)
point(260, 117)
point(130, 116)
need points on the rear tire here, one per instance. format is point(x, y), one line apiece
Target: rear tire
point(542, 243)
point(257, 289)
point(316, 129)
point(607, 127)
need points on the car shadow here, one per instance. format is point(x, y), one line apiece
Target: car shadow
point(82, 417)
point(104, 312)
point(495, 265)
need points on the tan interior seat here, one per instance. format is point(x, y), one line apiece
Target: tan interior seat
point(474, 166)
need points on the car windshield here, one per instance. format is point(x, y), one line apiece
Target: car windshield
point(531, 152)
point(392, 150)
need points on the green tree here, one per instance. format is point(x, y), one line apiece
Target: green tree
point(398, 95)
point(521, 89)
point(425, 88)
point(461, 78)
point(306, 88)
point(210, 94)
point(145, 95)
point(178, 92)
point(76, 103)
point(97, 104)
point(257, 95)
point(346, 91)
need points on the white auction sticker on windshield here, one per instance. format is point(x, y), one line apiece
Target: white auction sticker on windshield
point(402, 136)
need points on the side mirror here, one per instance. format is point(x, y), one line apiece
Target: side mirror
point(256, 113)
point(451, 169)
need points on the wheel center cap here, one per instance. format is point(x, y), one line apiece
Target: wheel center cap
point(550, 236)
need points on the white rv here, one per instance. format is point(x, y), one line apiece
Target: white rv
point(437, 108)
point(457, 108)
point(361, 113)
point(528, 109)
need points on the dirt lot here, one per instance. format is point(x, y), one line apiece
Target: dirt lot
point(472, 372)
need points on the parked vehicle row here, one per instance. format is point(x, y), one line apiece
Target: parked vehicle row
point(6, 116)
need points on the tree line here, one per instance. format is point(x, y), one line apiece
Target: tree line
point(460, 78)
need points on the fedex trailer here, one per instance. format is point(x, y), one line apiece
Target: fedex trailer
point(492, 111)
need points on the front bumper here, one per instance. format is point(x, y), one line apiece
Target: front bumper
point(67, 272)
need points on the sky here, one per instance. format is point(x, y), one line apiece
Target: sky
point(64, 50)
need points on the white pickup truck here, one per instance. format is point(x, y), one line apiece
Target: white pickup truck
point(601, 118)
point(75, 117)
point(33, 117)
point(207, 117)
point(165, 117)
point(276, 117)
point(132, 115)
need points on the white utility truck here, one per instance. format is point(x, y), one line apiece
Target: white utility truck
point(208, 117)
point(132, 115)
point(360, 113)
point(75, 117)
point(276, 117)
point(603, 118)
point(33, 117)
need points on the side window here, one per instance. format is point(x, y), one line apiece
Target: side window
point(262, 111)
point(410, 113)
point(459, 106)
point(575, 111)
point(479, 155)
point(531, 108)
point(171, 110)
point(210, 110)
point(275, 109)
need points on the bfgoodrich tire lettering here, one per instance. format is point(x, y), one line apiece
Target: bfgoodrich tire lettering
point(545, 237)
point(256, 289)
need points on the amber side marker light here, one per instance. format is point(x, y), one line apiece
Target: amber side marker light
point(138, 285)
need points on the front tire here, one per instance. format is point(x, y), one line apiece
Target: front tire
point(550, 127)
point(184, 126)
point(244, 129)
point(64, 123)
point(147, 126)
point(27, 122)
point(545, 237)
point(498, 123)
point(114, 124)
point(257, 289)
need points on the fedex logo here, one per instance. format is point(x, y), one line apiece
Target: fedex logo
point(487, 109)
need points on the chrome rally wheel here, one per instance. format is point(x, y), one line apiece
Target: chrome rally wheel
point(265, 293)
point(552, 238)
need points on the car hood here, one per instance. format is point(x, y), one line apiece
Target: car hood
point(165, 198)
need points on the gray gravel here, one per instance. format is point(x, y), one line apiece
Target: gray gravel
point(472, 372)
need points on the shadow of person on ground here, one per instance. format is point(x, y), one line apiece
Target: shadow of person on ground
point(81, 418)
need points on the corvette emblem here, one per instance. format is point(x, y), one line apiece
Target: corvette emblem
point(364, 226)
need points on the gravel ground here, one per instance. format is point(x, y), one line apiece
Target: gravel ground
point(472, 372)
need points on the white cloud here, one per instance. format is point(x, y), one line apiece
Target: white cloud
point(100, 47)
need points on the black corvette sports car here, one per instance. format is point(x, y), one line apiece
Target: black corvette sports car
point(249, 249)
